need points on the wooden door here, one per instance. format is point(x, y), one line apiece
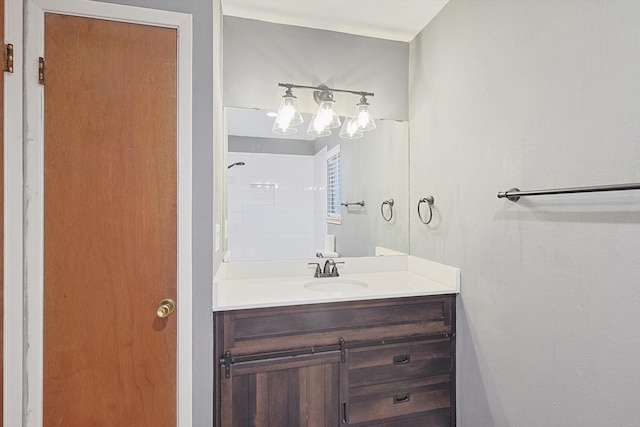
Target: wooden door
point(291, 392)
point(109, 223)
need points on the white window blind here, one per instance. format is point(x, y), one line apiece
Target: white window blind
point(334, 183)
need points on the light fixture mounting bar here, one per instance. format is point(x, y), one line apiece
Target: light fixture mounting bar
point(324, 89)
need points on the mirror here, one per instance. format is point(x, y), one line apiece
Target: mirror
point(277, 191)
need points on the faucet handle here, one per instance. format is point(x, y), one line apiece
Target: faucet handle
point(318, 270)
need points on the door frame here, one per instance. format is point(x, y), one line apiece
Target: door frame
point(13, 221)
point(32, 394)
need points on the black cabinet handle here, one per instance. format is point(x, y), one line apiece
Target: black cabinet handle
point(401, 398)
point(401, 360)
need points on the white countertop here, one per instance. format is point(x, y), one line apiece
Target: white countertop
point(244, 285)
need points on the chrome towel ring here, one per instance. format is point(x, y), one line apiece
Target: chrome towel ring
point(429, 200)
point(390, 203)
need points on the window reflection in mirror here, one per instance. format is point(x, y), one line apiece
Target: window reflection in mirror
point(334, 186)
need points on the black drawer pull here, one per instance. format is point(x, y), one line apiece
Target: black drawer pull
point(401, 398)
point(401, 360)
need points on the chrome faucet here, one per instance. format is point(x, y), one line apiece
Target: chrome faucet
point(330, 269)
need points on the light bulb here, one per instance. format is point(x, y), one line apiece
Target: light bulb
point(327, 115)
point(350, 129)
point(288, 115)
point(284, 120)
point(363, 115)
point(318, 127)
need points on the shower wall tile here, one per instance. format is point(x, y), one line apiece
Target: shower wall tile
point(271, 205)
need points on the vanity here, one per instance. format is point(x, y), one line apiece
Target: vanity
point(374, 346)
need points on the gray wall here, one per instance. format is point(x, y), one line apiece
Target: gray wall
point(258, 55)
point(203, 123)
point(249, 144)
point(374, 168)
point(534, 94)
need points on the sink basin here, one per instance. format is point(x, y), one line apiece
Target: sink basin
point(335, 285)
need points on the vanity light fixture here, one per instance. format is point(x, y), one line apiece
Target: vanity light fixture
point(326, 118)
point(288, 116)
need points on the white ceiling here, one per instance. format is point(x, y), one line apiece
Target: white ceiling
point(398, 20)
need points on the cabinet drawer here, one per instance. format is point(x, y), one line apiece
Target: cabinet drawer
point(395, 362)
point(435, 418)
point(421, 397)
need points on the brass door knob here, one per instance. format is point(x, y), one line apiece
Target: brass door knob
point(166, 308)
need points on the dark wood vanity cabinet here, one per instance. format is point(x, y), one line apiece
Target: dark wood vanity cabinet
point(383, 363)
point(290, 392)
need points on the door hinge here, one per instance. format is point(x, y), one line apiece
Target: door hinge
point(41, 71)
point(8, 58)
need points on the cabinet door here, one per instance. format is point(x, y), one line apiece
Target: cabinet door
point(295, 392)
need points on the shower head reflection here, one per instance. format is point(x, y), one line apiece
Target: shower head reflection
point(235, 164)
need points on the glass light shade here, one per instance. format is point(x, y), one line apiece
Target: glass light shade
point(288, 115)
point(350, 129)
point(327, 115)
point(318, 128)
point(284, 130)
point(364, 117)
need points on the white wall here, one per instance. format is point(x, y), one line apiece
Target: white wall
point(271, 207)
point(534, 94)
